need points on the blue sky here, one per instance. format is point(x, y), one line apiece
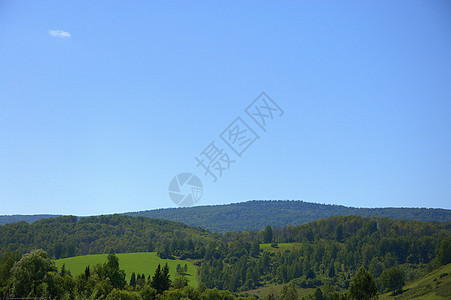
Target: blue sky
point(102, 103)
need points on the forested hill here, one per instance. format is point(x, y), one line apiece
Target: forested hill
point(27, 218)
point(255, 215)
point(70, 236)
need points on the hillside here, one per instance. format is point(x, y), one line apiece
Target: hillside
point(255, 215)
point(71, 236)
point(435, 285)
point(325, 252)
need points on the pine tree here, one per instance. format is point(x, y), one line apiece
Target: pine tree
point(87, 272)
point(165, 280)
point(156, 280)
point(160, 280)
point(178, 268)
point(363, 285)
point(116, 275)
point(133, 280)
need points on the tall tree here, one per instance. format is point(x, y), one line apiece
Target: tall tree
point(116, 275)
point(180, 282)
point(444, 251)
point(393, 279)
point(29, 272)
point(133, 280)
point(267, 234)
point(87, 272)
point(7, 261)
point(156, 280)
point(165, 280)
point(363, 286)
point(339, 233)
point(160, 280)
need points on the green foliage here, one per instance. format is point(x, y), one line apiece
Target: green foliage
point(393, 279)
point(253, 215)
point(318, 295)
point(133, 280)
point(435, 285)
point(267, 234)
point(110, 270)
point(30, 272)
point(444, 251)
point(363, 286)
point(123, 295)
point(315, 257)
point(7, 261)
point(180, 282)
point(161, 279)
point(288, 293)
point(148, 293)
point(69, 236)
point(339, 233)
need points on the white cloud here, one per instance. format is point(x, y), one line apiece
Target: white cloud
point(59, 33)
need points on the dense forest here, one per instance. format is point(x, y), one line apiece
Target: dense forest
point(323, 253)
point(253, 215)
point(70, 236)
point(326, 252)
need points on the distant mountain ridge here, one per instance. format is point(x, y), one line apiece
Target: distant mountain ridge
point(27, 218)
point(256, 214)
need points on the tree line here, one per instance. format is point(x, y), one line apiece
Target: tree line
point(69, 236)
point(253, 215)
point(35, 275)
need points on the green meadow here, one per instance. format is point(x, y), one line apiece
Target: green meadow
point(279, 245)
point(141, 262)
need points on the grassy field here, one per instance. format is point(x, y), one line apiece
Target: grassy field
point(435, 285)
point(142, 263)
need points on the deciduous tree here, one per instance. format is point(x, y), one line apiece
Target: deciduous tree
point(29, 272)
point(267, 234)
point(363, 286)
point(393, 279)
